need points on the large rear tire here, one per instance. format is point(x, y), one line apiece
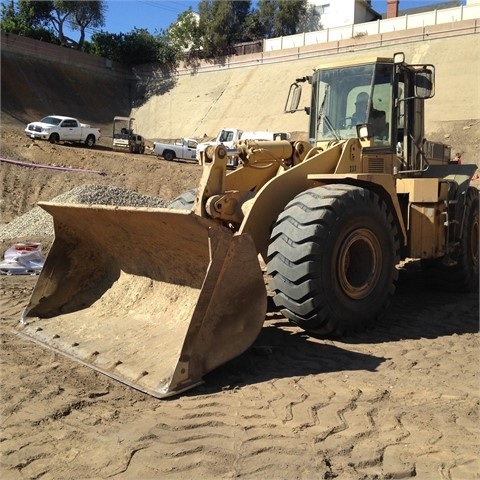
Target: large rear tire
point(332, 259)
point(463, 276)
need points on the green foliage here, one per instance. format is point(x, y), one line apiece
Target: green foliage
point(84, 15)
point(139, 46)
point(288, 16)
point(168, 53)
point(9, 22)
point(278, 18)
point(134, 48)
point(281, 17)
point(223, 23)
point(47, 19)
point(253, 27)
point(266, 16)
point(108, 45)
point(184, 35)
point(27, 18)
point(219, 25)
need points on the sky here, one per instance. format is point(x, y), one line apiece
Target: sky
point(122, 16)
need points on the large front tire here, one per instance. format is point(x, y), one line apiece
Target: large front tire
point(332, 259)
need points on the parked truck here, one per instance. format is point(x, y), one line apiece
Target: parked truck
point(125, 138)
point(226, 136)
point(57, 128)
point(230, 136)
point(180, 148)
point(167, 295)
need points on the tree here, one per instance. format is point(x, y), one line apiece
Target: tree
point(49, 18)
point(29, 19)
point(266, 16)
point(58, 18)
point(288, 16)
point(134, 48)
point(78, 15)
point(84, 15)
point(139, 46)
point(168, 53)
point(281, 17)
point(107, 45)
point(183, 34)
point(311, 21)
point(253, 27)
point(221, 24)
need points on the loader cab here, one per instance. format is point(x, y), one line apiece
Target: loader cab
point(346, 98)
point(379, 101)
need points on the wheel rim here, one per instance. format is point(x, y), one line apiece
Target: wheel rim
point(358, 264)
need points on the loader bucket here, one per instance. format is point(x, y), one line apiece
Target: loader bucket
point(154, 298)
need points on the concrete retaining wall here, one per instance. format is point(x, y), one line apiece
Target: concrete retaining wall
point(253, 98)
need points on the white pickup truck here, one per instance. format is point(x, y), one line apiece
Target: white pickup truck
point(181, 148)
point(57, 128)
point(230, 136)
point(226, 136)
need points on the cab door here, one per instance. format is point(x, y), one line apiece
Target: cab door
point(70, 130)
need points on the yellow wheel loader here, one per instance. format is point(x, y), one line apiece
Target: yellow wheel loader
point(156, 298)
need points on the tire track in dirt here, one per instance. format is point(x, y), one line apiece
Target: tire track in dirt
point(292, 406)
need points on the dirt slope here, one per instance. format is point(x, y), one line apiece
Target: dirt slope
point(24, 187)
point(33, 88)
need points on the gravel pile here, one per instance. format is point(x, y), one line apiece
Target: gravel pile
point(38, 223)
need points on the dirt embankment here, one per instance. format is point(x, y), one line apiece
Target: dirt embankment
point(33, 88)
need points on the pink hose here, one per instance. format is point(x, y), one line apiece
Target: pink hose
point(50, 167)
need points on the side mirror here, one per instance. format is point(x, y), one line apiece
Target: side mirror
point(293, 99)
point(398, 58)
point(425, 82)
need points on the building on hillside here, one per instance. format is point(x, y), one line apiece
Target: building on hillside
point(394, 10)
point(178, 31)
point(338, 13)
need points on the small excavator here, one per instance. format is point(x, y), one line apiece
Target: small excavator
point(124, 137)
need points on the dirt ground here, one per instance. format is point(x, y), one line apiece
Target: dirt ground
point(398, 401)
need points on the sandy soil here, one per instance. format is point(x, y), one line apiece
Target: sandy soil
point(399, 401)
